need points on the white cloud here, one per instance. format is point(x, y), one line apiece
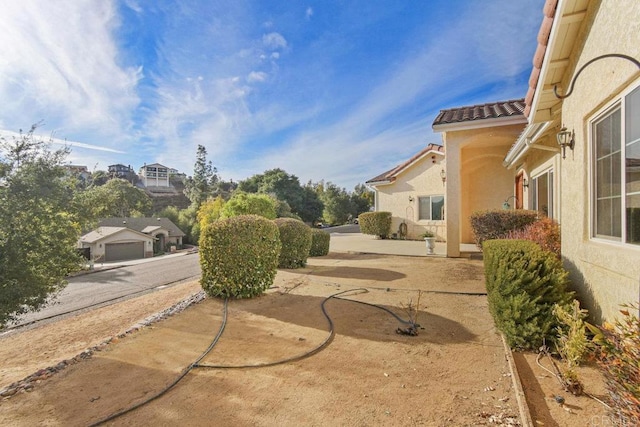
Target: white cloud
point(309, 13)
point(256, 76)
point(59, 63)
point(274, 41)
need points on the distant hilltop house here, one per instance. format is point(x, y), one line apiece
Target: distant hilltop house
point(121, 171)
point(118, 239)
point(78, 170)
point(154, 175)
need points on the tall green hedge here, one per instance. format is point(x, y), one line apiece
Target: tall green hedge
point(239, 256)
point(319, 242)
point(523, 284)
point(295, 237)
point(496, 224)
point(375, 223)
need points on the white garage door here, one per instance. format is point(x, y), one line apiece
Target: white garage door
point(123, 251)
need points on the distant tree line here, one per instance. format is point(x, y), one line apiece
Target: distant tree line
point(44, 209)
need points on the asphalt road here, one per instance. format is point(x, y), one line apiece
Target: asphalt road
point(103, 287)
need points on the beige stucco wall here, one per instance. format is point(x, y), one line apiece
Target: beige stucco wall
point(421, 179)
point(605, 274)
point(476, 178)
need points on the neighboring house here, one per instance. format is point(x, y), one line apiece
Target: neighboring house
point(154, 175)
point(116, 244)
point(78, 170)
point(595, 191)
point(414, 194)
point(121, 171)
point(476, 139)
point(118, 239)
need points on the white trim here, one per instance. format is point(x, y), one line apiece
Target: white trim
point(617, 102)
point(526, 140)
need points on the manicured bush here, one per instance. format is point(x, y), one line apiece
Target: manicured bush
point(524, 282)
point(618, 355)
point(242, 203)
point(544, 231)
point(496, 224)
point(375, 223)
point(239, 256)
point(319, 242)
point(295, 237)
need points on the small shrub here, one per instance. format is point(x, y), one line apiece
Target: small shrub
point(375, 223)
point(544, 231)
point(239, 256)
point(295, 237)
point(572, 343)
point(496, 224)
point(524, 282)
point(618, 353)
point(319, 242)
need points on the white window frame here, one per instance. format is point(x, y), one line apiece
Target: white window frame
point(533, 192)
point(618, 103)
point(431, 196)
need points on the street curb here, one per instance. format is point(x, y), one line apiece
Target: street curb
point(523, 407)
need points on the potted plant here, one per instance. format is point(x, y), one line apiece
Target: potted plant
point(430, 240)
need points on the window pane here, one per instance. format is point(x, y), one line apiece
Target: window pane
point(543, 194)
point(437, 208)
point(632, 116)
point(633, 219)
point(424, 207)
point(550, 213)
point(608, 217)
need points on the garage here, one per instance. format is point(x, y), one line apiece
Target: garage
point(124, 251)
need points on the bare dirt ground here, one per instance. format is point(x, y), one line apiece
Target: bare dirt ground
point(454, 373)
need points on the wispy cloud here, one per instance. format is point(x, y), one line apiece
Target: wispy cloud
point(309, 13)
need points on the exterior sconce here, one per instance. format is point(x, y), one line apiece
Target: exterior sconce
point(525, 183)
point(410, 198)
point(506, 206)
point(443, 175)
point(573, 80)
point(566, 139)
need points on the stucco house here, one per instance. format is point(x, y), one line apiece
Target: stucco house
point(117, 239)
point(476, 139)
point(414, 194)
point(588, 51)
point(154, 175)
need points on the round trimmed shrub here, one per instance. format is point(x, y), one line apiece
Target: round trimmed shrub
point(375, 223)
point(239, 256)
point(295, 237)
point(319, 242)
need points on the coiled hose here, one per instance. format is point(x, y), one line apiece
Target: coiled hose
point(197, 364)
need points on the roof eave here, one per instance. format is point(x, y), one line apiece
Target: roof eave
point(482, 123)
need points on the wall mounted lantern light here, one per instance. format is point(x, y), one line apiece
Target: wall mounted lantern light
point(566, 139)
point(525, 183)
point(575, 77)
point(506, 205)
point(443, 175)
point(410, 198)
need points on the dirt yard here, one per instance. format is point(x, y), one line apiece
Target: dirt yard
point(454, 373)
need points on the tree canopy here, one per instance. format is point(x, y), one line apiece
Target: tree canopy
point(39, 225)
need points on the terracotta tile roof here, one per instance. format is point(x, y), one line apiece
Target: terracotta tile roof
point(494, 110)
point(391, 174)
point(548, 12)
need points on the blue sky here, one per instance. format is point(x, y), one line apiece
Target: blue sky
point(336, 90)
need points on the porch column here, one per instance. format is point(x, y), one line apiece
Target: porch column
point(453, 191)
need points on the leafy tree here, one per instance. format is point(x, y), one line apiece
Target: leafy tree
point(210, 211)
point(188, 223)
point(38, 226)
point(117, 198)
point(99, 177)
point(242, 203)
point(204, 181)
point(287, 188)
point(362, 199)
point(337, 204)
